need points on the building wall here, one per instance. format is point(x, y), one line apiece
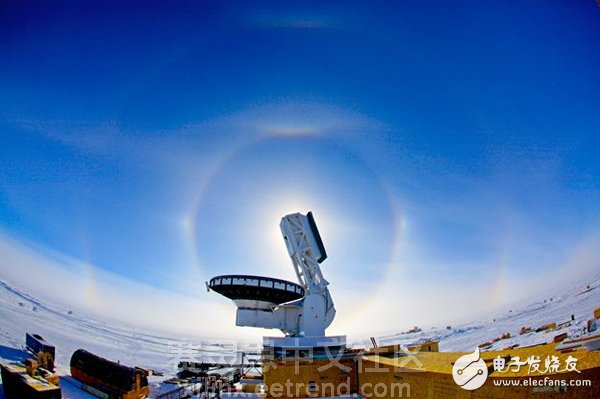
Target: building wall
point(380, 377)
point(326, 377)
point(429, 385)
point(112, 391)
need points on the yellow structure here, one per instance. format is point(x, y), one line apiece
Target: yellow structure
point(429, 346)
point(250, 383)
point(547, 327)
point(304, 377)
point(388, 372)
point(26, 380)
point(429, 375)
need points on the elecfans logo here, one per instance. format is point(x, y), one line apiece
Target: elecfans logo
point(470, 371)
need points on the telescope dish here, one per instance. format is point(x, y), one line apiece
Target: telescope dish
point(298, 310)
point(243, 288)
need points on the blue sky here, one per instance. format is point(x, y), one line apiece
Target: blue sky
point(446, 149)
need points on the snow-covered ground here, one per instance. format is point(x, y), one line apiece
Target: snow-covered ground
point(557, 307)
point(21, 312)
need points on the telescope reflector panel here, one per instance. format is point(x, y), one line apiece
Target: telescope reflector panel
point(256, 288)
point(317, 237)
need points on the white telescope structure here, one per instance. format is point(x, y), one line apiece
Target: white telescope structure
point(303, 310)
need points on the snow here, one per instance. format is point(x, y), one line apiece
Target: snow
point(558, 307)
point(71, 389)
point(21, 312)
